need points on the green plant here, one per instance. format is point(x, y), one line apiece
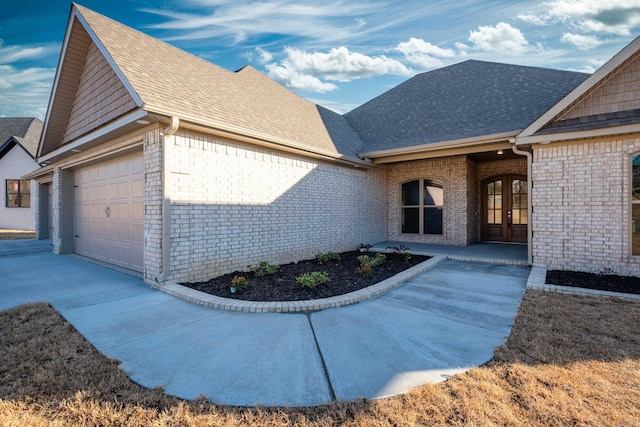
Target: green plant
point(311, 280)
point(262, 268)
point(374, 262)
point(402, 250)
point(324, 257)
point(239, 282)
point(364, 247)
point(365, 270)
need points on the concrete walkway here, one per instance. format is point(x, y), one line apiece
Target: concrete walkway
point(441, 322)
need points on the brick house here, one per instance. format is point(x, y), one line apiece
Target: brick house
point(164, 163)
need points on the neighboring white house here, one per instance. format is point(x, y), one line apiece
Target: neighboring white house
point(19, 137)
point(167, 164)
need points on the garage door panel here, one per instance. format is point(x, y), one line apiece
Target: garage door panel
point(109, 212)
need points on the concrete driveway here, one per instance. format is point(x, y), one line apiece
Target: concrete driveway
point(442, 322)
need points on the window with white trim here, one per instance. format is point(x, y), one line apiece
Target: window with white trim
point(635, 204)
point(422, 206)
point(18, 193)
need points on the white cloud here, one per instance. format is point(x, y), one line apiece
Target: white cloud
point(25, 92)
point(10, 54)
point(619, 17)
point(263, 55)
point(533, 19)
point(295, 79)
point(5, 84)
point(502, 38)
point(237, 20)
point(424, 54)
point(582, 42)
point(304, 70)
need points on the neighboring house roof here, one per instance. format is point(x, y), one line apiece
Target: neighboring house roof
point(163, 79)
point(461, 101)
point(23, 131)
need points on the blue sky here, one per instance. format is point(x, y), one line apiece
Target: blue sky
point(337, 53)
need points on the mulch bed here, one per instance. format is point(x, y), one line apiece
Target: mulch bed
point(603, 282)
point(282, 285)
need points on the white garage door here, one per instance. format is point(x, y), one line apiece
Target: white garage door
point(109, 212)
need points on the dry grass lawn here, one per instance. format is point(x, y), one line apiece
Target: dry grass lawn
point(569, 361)
point(6, 234)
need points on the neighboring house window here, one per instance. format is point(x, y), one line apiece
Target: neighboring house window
point(635, 205)
point(422, 202)
point(18, 193)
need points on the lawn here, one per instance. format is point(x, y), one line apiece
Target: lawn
point(569, 361)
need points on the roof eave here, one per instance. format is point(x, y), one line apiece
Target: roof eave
point(236, 132)
point(565, 136)
point(455, 143)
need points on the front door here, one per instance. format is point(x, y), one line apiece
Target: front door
point(505, 209)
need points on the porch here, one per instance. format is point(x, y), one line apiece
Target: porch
point(490, 252)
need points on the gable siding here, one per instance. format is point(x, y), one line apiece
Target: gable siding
point(100, 97)
point(619, 93)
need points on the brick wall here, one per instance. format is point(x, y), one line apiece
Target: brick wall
point(456, 174)
point(581, 206)
point(233, 204)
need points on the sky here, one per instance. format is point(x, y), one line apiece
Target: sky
point(336, 53)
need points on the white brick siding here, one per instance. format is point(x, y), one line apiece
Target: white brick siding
point(581, 206)
point(13, 165)
point(233, 204)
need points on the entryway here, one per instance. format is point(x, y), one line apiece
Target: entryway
point(505, 214)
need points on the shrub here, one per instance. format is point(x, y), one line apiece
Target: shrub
point(365, 270)
point(311, 280)
point(239, 282)
point(262, 268)
point(324, 257)
point(375, 262)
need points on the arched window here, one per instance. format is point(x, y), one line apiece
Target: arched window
point(635, 204)
point(422, 203)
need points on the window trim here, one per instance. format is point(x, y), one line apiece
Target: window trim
point(422, 182)
point(19, 194)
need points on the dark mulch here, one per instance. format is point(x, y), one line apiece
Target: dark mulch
point(282, 285)
point(603, 282)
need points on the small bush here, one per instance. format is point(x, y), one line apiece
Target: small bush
point(262, 268)
point(239, 282)
point(365, 270)
point(325, 257)
point(402, 250)
point(374, 262)
point(311, 280)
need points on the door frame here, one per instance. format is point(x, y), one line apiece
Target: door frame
point(507, 231)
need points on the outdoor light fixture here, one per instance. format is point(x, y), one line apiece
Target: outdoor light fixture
point(143, 122)
point(500, 151)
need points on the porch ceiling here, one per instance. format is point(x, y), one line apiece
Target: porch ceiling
point(492, 156)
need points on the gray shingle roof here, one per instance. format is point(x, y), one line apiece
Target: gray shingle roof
point(596, 121)
point(24, 130)
point(171, 81)
point(465, 100)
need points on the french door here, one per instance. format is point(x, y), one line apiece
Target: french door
point(505, 216)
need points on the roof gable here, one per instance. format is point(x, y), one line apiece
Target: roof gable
point(22, 131)
point(172, 82)
point(79, 37)
point(609, 97)
point(458, 102)
point(100, 96)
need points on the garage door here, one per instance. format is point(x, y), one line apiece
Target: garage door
point(109, 210)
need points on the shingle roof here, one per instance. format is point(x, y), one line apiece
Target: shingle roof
point(596, 121)
point(24, 130)
point(173, 82)
point(465, 100)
